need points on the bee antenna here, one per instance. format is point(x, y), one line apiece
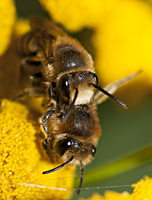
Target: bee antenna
point(71, 107)
point(110, 95)
point(81, 177)
point(59, 167)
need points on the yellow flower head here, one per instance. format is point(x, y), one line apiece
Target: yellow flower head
point(143, 189)
point(21, 162)
point(73, 15)
point(124, 42)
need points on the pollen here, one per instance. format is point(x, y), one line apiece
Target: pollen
point(22, 161)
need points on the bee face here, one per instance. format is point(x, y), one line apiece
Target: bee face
point(79, 150)
point(77, 80)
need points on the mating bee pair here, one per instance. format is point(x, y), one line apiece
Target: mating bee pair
point(62, 71)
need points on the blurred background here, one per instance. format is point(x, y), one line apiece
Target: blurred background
point(124, 151)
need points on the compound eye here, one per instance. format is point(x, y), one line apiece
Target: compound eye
point(62, 146)
point(64, 86)
point(93, 150)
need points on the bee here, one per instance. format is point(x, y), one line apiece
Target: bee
point(57, 67)
point(73, 141)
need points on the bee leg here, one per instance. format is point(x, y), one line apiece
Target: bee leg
point(43, 125)
point(44, 128)
point(30, 69)
point(30, 65)
point(112, 87)
point(30, 76)
point(32, 60)
point(36, 79)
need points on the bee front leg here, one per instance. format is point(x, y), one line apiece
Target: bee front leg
point(43, 120)
point(112, 87)
point(28, 66)
point(44, 128)
point(30, 77)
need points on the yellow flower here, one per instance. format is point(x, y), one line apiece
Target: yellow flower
point(7, 20)
point(123, 44)
point(143, 189)
point(21, 27)
point(124, 41)
point(73, 14)
point(22, 162)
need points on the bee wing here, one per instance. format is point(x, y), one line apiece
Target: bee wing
point(40, 24)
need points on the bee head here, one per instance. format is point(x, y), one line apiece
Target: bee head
point(81, 81)
point(79, 150)
point(74, 152)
